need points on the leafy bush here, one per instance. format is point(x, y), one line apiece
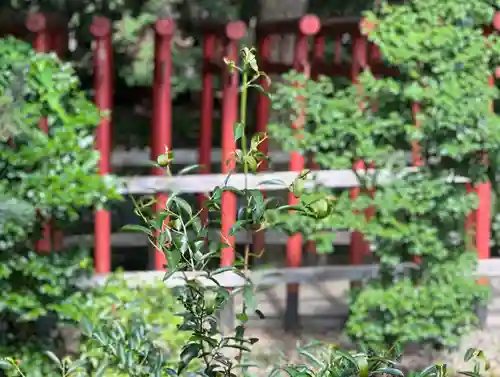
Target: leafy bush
point(444, 63)
point(149, 308)
point(43, 177)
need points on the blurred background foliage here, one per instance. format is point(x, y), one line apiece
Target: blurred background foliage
point(133, 46)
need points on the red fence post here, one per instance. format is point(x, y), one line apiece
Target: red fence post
point(234, 32)
point(206, 121)
point(263, 111)
point(480, 219)
point(103, 83)
point(416, 156)
point(38, 24)
point(308, 25)
point(318, 54)
point(162, 111)
point(483, 211)
point(358, 247)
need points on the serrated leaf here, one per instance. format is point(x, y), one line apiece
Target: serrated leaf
point(238, 131)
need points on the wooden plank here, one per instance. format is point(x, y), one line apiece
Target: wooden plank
point(271, 181)
point(274, 276)
point(140, 240)
point(142, 157)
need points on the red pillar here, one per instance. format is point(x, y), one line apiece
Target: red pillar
point(480, 219)
point(37, 24)
point(309, 25)
point(234, 32)
point(162, 111)
point(318, 55)
point(483, 212)
point(103, 83)
point(262, 119)
point(416, 156)
point(207, 107)
point(358, 247)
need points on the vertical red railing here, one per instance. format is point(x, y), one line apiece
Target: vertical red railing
point(161, 135)
point(416, 156)
point(206, 121)
point(478, 223)
point(318, 54)
point(309, 25)
point(39, 24)
point(234, 32)
point(482, 215)
point(264, 43)
point(103, 83)
point(358, 248)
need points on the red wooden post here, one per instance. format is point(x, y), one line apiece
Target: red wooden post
point(37, 24)
point(162, 111)
point(416, 156)
point(103, 83)
point(318, 54)
point(264, 43)
point(358, 247)
point(480, 219)
point(483, 211)
point(309, 25)
point(207, 106)
point(234, 32)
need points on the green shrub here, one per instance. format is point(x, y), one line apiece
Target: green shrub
point(439, 48)
point(421, 313)
point(152, 305)
point(42, 177)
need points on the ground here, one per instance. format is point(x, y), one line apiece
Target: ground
point(323, 310)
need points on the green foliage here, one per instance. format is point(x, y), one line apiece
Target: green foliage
point(42, 177)
point(133, 37)
point(411, 313)
point(444, 62)
point(150, 308)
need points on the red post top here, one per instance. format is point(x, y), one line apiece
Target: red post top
point(101, 27)
point(235, 30)
point(309, 24)
point(165, 27)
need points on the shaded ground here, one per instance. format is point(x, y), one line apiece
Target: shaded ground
point(323, 309)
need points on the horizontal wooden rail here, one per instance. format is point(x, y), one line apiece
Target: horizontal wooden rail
point(274, 276)
point(129, 239)
point(273, 181)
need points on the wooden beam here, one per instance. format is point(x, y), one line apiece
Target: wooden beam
point(274, 276)
point(272, 181)
point(129, 239)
